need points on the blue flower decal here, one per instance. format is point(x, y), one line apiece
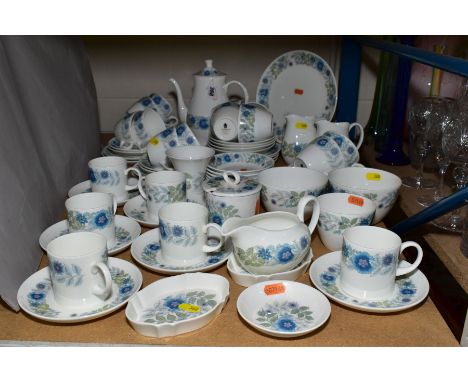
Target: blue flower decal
point(328, 277)
point(190, 140)
point(101, 219)
point(58, 267)
point(213, 260)
point(227, 158)
point(264, 253)
point(178, 230)
point(140, 126)
point(304, 242)
point(82, 219)
point(285, 325)
point(173, 303)
point(163, 230)
point(166, 133)
point(297, 149)
point(146, 102)
point(350, 150)
point(36, 296)
point(320, 66)
point(157, 100)
point(264, 92)
point(180, 130)
point(124, 289)
point(104, 174)
point(285, 254)
point(92, 176)
point(154, 247)
point(387, 260)
point(322, 142)
point(204, 123)
point(216, 218)
point(407, 291)
point(172, 143)
point(363, 262)
point(236, 156)
point(335, 151)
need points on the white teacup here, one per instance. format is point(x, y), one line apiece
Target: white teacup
point(323, 154)
point(122, 131)
point(224, 121)
point(145, 125)
point(255, 123)
point(340, 211)
point(92, 212)
point(78, 269)
point(343, 128)
point(162, 188)
point(349, 150)
point(369, 261)
point(156, 102)
point(183, 232)
point(109, 175)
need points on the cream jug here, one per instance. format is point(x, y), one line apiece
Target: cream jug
point(271, 242)
point(209, 90)
point(299, 132)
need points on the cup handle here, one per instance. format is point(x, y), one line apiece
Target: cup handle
point(361, 133)
point(141, 190)
point(103, 293)
point(315, 214)
point(208, 248)
point(114, 203)
point(404, 270)
point(244, 89)
point(172, 121)
point(140, 178)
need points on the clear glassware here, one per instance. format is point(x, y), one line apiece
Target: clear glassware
point(426, 119)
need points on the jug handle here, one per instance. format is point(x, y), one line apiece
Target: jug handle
point(315, 214)
point(361, 133)
point(244, 89)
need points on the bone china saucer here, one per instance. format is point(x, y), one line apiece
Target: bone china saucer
point(136, 209)
point(409, 290)
point(126, 230)
point(36, 297)
point(85, 186)
point(146, 251)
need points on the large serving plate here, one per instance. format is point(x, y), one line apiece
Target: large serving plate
point(297, 82)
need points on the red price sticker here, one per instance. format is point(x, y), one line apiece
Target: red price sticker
point(277, 288)
point(298, 91)
point(356, 200)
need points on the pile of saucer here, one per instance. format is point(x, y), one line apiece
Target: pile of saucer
point(267, 146)
point(145, 166)
point(245, 163)
point(132, 155)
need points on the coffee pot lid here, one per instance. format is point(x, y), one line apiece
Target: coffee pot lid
point(231, 184)
point(209, 70)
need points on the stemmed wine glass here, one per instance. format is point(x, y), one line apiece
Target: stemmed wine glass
point(455, 143)
point(426, 120)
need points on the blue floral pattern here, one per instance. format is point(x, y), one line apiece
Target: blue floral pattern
point(406, 291)
point(348, 149)
point(167, 193)
point(287, 199)
point(246, 123)
point(104, 177)
point(180, 307)
point(284, 253)
point(90, 221)
point(365, 263)
point(250, 160)
point(198, 122)
point(338, 223)
point(69, 276)
point(387, 200)
point(285, 316)
point(220, 211)
point(185, 235)
point(290, 151)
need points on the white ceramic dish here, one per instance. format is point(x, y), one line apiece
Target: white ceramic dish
point(136, 209)
point(177, 304)
point(146, 251)
point(246, 279)
point(283, 308)
point(85, 186)
point(36, 297)
point(126, 230)
point(297, 82)
point(409, 290)
point(242, 162)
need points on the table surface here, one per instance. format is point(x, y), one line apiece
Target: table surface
point(419, 326)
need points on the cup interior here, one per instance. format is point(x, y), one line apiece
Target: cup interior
point(292, 178)
point(372, 238)
point(89, 201)
point(364, 178)
point(76, 245)
point(190, 152)
point(110, 161)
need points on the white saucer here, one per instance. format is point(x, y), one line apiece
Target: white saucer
point(136, 209)
point(409, 290)
point(246, 279)
point(126, 230)
point(36, 297)
point(146, 251)
point(85, 186)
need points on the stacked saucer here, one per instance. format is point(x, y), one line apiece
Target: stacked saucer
point(245, 163)
point(145, 166)
point(258, 146)
point(132, 155)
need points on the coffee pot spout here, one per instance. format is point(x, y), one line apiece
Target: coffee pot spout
point(180, 102)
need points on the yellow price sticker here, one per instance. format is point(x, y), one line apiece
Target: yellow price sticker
point(189, 308)
point(301, 125)
point(154, 141)
point(373, 176)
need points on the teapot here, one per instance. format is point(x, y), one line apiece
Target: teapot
point(271, 242)
point(209, 90)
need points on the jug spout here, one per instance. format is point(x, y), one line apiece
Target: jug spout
point(180, 102)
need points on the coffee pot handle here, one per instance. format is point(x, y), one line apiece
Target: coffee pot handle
point(404, 270)
point(315, 214)
point(361, 133)
point(244, 89)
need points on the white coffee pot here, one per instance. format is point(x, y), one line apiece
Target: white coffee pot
point(209, 90)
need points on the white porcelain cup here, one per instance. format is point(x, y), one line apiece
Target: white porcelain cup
point(145, 125)
point(156, 102)
point(92, 212)
point(183, 231)
point(192, 161)
point(78, 269)
point(224, 121)
point(323, 154)
point(122, 131)
point(349, 150)
point(109, 175)
point(369, 261)
point(162, 188)
point(255, 123)
point(343, 128)
point(340, 211)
